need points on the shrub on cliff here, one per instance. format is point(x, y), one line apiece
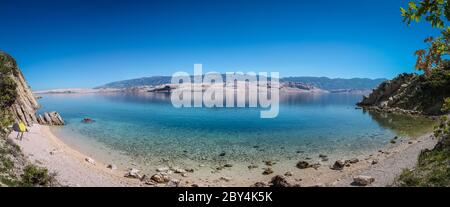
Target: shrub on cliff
point(8, 92)
point(438, 81)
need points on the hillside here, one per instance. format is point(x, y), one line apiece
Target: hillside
point(17, 103)
point(412, 93)
point(318, 82)
point(420, 94)
point(337, 83)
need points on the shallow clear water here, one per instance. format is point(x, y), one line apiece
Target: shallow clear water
point(147, 129)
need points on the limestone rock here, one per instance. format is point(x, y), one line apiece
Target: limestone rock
point(279, 181)
point(134, 173)
point(160, 178)
point(173, 183)
point(51, 118)
point(268, 171)
point(90, 160)
point(226, 179)
point(362, 180)
point(163, 169)
point(112, 167)
point(303, 165)
point(338, 165)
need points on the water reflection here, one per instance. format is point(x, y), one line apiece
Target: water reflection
point(403, 125)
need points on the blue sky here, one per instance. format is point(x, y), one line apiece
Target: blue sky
point(62, 44)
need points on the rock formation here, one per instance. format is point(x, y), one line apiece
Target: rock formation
point(50, 118)
point(411, 93)
point(25, 105)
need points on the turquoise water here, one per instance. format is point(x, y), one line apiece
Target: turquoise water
point(146, 128)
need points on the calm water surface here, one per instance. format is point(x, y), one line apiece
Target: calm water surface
point(147, 129)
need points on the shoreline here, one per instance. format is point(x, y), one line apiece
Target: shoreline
point(45, 149)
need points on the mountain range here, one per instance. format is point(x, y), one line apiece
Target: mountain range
point(329, 84)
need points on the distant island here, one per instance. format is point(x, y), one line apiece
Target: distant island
point(304, 84)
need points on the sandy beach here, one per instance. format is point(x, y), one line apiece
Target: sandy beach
point(45, 149)
point(42, 148)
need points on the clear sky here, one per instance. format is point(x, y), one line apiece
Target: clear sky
point(62, 44)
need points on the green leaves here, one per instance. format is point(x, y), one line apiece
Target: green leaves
point(437, 13)
point(413, 6)
point(446, 106)
point(434, 12)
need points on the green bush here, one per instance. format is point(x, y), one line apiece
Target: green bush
point(438, 82)
point(8, 92)
point(37, 176)
point(446, 106)
point(433, 168)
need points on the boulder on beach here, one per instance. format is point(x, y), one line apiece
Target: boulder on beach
point(90, 160)
point(303, 165)
point(267, 171)
point(178, 170)
point(133, 173)
point(338, 165)
point(374, 162)
point(352, 161)
point(362, 180)
point(112, 167)
point(162, 169)
point(279, 181)
point(160, 178)
point(173, 183)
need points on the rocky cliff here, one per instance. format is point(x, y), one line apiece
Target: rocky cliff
point(412, 93)
point(21, 102)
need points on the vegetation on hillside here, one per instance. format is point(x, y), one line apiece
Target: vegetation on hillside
point(14, 169)
point(7, 91)
point(433, 168)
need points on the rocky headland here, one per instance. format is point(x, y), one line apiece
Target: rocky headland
point(411, 93)
point(426, 94)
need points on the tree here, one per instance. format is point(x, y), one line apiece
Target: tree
point(437, 13)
